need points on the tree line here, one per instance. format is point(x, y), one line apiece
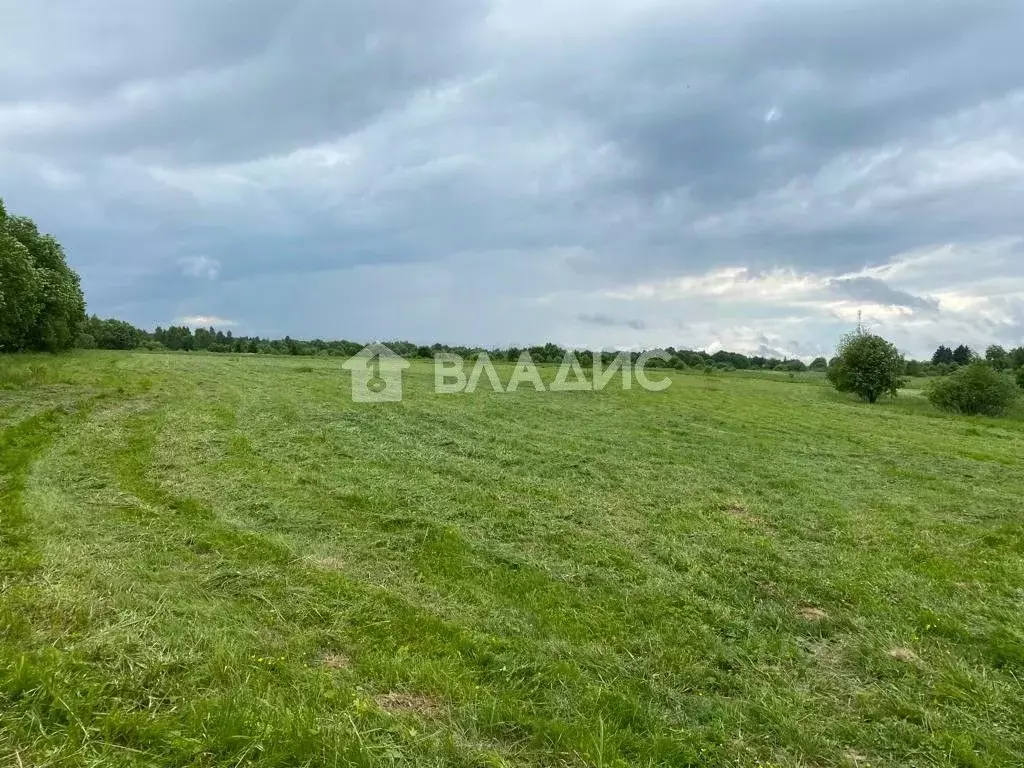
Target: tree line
point(41, 303)
point(947, 359)
point(117, 334)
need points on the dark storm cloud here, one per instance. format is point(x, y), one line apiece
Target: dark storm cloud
point(209, 82)
point(688, 92)
point(646, 138)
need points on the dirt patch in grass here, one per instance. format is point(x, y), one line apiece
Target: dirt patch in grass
point(855, 758)
point(737, 510)
point(905, 655)
point(810, 613)
point(826, 653)
point(336, 660)
point(327, 563)
point(398, 703)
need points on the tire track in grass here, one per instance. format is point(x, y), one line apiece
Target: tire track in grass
point(27, 672)
point(272, 587)
point(20, 446)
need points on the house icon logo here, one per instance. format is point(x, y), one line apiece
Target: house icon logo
point(376, 374)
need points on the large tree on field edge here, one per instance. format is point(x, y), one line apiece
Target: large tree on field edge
point(41, 302)
point(867, 365)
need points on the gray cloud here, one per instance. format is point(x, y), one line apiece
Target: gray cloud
point(607, 321)
point(874, 291)
point(285, 142)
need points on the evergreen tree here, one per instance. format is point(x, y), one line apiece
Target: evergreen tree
point(943, 355)
point(963, 355)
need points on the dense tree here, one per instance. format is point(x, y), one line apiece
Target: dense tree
point(819, 364)
point(736, 360)
point(792, 366)
point(997, 357)
point(1016, 357)
point(110, 334)
point(866, 365)
point(41, 302)
point(963, 355)
point(943, 356)
point(20, 300)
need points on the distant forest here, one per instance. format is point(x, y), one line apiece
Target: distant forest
point(117, 334)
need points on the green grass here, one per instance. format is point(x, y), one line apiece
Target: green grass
point(222, 561)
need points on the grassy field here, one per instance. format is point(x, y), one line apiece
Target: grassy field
point(222, 561)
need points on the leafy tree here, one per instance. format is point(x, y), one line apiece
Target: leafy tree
point(20, 292)
point(736, 360)
point(943, 356)
point(86, 341)
point(963, 355)
point(866, 365)
point(1020, 377)
point(819, 364)
point(110, 334)
point(41, 302)
point(975, 389)
point(997, 357)
point(175, 337)
point(1016, 356)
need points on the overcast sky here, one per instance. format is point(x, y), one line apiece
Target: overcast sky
point(598, 173)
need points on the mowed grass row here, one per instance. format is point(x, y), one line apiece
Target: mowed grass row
point(220, 561)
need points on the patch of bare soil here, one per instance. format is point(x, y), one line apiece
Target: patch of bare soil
point(810, 613)
point(398, 703)
point(335, 660)
point(738, 511)
point(327, 563)
point(905, 655)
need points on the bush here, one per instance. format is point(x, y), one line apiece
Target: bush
point(975, 389)
point(1020, 377)
point(85, 341)
point(866, 365)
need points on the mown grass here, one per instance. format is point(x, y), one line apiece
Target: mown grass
point(221, 561)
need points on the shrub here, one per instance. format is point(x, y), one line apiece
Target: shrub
point(975, 389)
point(866, 365)
point(85, 341)
point(1020, 377)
